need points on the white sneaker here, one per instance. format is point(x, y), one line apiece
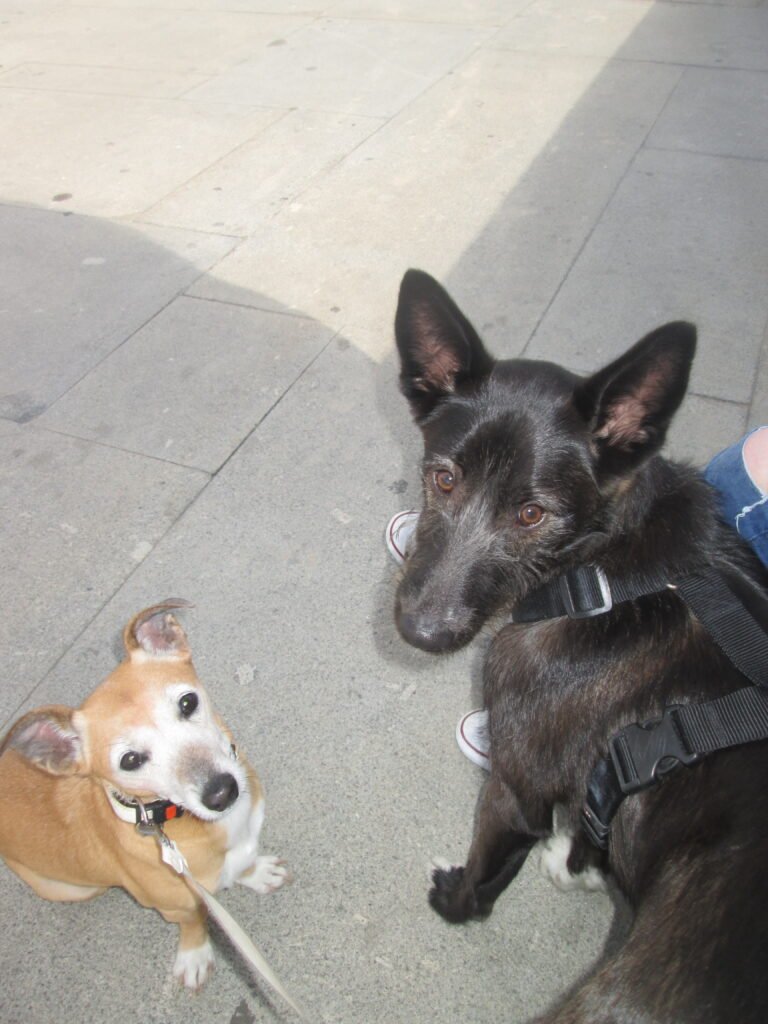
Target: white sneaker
point(399, 533)
point(473, 739)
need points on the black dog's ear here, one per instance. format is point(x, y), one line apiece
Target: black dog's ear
point(630, 403)
point(439, 348)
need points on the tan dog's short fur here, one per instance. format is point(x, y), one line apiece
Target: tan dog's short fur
point(150, 732)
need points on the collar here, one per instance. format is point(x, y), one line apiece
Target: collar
point(585, 591)
point(129, 809)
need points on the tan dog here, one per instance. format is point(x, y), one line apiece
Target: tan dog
point(72, 781)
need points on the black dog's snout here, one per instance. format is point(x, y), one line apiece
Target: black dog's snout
point(426, 632)
point(220, 792)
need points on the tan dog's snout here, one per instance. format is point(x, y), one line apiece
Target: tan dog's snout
point(216, 781)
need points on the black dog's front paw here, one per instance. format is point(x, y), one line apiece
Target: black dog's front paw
point(451, 898)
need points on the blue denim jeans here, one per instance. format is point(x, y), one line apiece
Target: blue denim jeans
point(742, 504)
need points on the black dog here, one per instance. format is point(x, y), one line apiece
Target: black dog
point(530, 470)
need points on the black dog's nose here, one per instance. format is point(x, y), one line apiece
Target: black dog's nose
point(426, 633)
point(220, 792)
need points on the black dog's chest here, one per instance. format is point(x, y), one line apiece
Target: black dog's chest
point(537, 713)
point(556, 691)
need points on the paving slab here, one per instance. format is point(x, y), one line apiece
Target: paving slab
point(508, 273)
point(718, 3)
point(247, 187)
point(112, 159)
point(526, 206)
point(684, 238)
point(704, 426)
point(716, 112)
point(758, 408)
point(114, 37)
point(77, 520)
point(696, 34)
point(12, 13)
point(64, 78)
point(73, 288)
point(304, 8)
point(493, 12)
point(192, 384)
point(347, 66)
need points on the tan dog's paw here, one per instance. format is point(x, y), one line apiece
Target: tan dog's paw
point(193, 966)
point(267, 875)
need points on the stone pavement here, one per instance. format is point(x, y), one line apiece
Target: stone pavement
point(205, 210)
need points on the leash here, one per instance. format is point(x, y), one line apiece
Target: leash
point(641, 755)
point(176, 860)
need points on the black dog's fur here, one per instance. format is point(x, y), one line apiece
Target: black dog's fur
point(529, 469)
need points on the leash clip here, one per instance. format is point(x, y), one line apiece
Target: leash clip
point(145, 826)
point(169, 851)
point(643, 754)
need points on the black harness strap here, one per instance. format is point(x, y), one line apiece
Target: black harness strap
point(640, 755)
point(728, 622)
point(584, 592)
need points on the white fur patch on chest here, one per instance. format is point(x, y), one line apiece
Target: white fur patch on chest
point(243, 826)
point(553, 864)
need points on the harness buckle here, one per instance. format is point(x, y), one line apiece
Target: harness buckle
point(574, 599)
point(643, 754)
point(597, 830)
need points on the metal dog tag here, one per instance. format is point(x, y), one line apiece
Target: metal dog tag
point(169, 851)
point(171, 854)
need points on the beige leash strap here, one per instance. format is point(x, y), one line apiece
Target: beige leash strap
point(173, 856)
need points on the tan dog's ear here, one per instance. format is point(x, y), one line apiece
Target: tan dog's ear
point(49, 738)
point(155, 632)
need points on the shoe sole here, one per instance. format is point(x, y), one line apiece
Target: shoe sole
point(391, 535)
point(468, 748)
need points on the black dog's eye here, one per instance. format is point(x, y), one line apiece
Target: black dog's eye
point(445, 481)
point(132, 760)
point(530, 515)
point(188, 704)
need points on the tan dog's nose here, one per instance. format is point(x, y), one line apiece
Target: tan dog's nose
point(220, 792)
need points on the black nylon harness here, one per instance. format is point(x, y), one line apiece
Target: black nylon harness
point(641, 754)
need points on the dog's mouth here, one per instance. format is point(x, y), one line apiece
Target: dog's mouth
point(217, 799)
point(213, 801)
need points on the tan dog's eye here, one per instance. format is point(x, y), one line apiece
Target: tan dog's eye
point(444, 481)
point(188, 704)
point(530, 514)
point(133, 760)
